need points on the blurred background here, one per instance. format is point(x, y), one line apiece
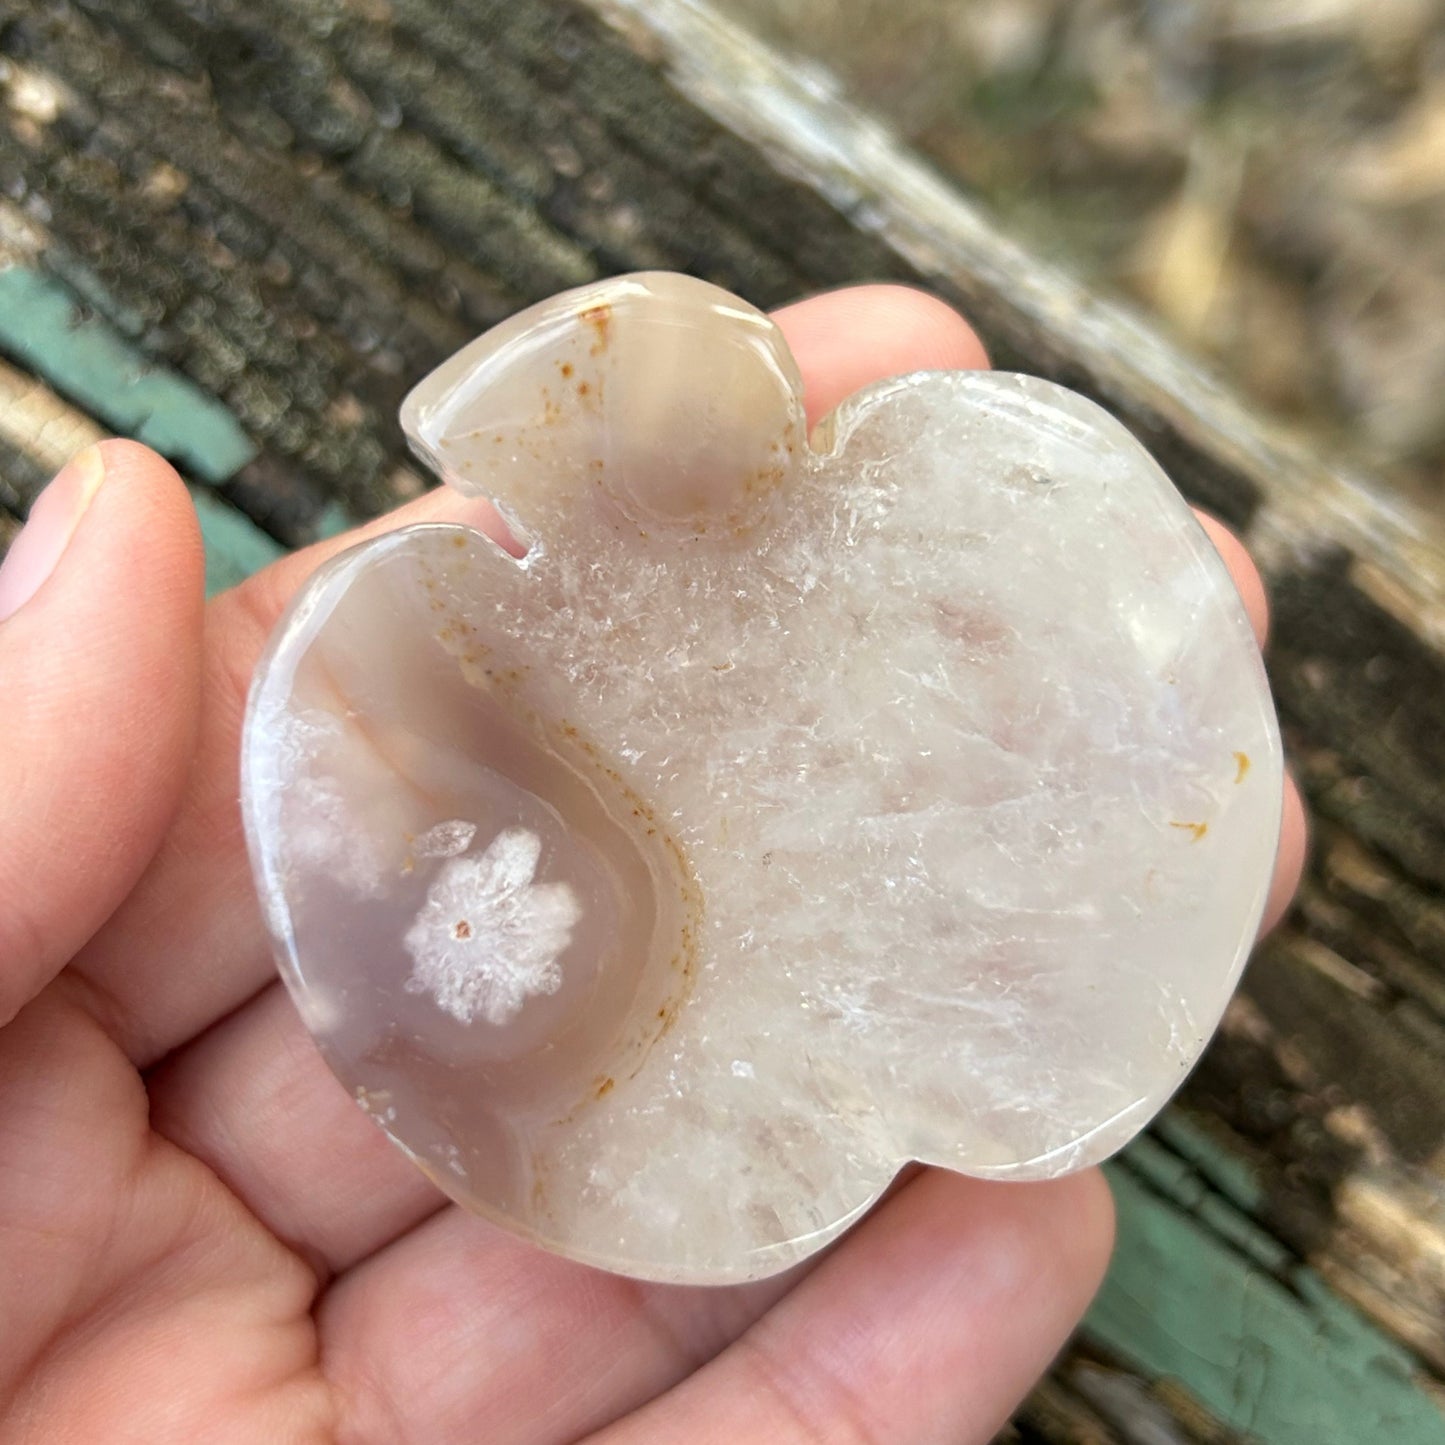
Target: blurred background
point(1268, 176)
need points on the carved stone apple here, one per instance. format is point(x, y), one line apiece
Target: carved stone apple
point(794, 808)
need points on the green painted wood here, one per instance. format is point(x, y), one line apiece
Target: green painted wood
point(1224, 1171)
point(334, 520)
point(1270, 1352)
point(86, 359)
point(235, 546)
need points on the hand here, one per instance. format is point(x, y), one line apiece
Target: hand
point(203, 1239)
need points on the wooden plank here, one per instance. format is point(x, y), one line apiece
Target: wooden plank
point(1199, 1293)
point(235, 546)
point(40, 431)
point(86, 361)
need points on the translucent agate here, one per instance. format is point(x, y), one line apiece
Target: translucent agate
point(796, 807)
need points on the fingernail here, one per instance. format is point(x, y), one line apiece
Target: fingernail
point(53, 519)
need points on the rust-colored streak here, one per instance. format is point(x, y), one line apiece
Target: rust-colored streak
point(1197, 829)
point(599, 318)
point(1241, 763)
point(659, 1020)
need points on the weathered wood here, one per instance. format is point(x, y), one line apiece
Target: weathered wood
point(40, 431)
point(1203, 1294)
point(297, 208)
point(110, 381)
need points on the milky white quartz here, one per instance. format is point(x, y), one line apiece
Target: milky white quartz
point(793, 809)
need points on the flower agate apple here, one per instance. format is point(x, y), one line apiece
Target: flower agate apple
point(794, 808)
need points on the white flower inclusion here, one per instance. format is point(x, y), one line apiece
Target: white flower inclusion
point(487, 938)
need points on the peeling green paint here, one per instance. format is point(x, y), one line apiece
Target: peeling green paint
point(1180, 1182)
point(1227, 1172)
point(85, 359)
point(1281, 1360)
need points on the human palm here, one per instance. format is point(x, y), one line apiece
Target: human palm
point(203, 1239)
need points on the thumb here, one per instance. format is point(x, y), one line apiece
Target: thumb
point(100, 644)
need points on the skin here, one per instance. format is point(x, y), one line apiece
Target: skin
point(201, 1236)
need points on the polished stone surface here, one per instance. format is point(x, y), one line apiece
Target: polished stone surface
point(794, 808)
